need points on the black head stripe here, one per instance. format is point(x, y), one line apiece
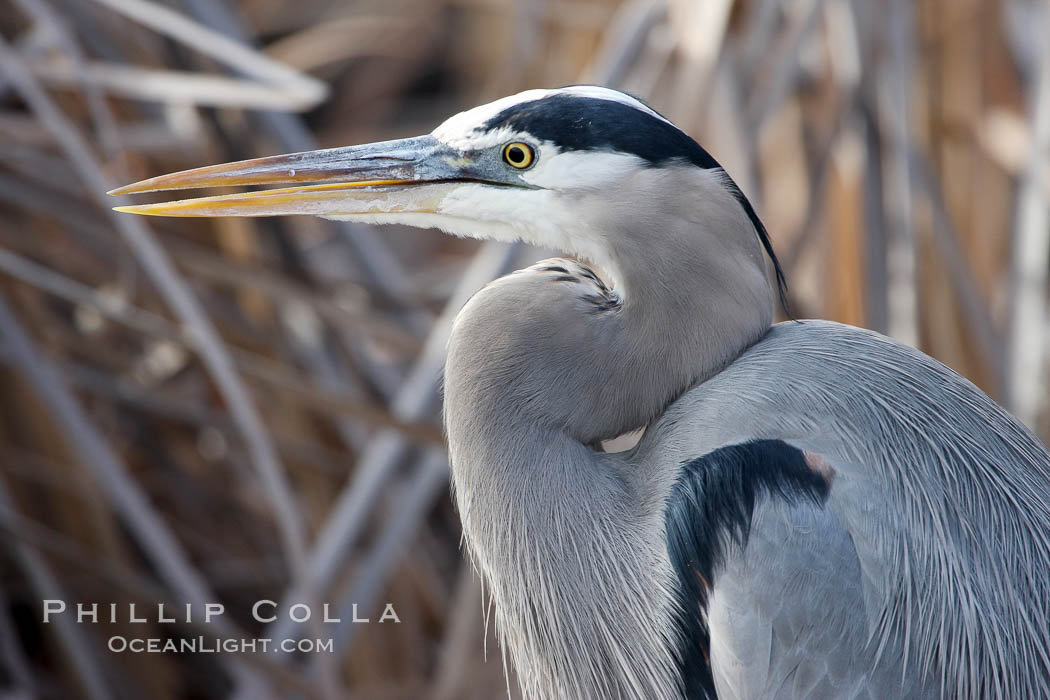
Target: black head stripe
point(576, 123)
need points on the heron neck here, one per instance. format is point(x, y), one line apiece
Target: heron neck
point(570, 541)
point(581, 585)
point(693, 280)
point(687, 311)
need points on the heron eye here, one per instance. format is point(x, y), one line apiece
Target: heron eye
point(518, 155)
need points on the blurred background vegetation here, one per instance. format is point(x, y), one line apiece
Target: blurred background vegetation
point(235, 410)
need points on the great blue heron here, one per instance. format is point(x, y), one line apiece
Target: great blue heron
point(814, 510)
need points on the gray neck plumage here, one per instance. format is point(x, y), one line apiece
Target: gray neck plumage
point(569, 540)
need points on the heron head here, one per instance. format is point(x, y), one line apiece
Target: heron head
point(557, 168)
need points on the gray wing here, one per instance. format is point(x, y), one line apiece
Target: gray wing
point(926, 567)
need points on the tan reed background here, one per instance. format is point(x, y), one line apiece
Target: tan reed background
point(236, 410)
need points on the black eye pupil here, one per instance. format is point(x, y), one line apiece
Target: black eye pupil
point(516, 155)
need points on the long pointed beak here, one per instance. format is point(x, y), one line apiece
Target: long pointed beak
point(407, 175)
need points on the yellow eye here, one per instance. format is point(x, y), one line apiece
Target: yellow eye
point(518, 155)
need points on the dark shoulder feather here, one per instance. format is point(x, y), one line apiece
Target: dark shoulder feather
point(710, 507)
